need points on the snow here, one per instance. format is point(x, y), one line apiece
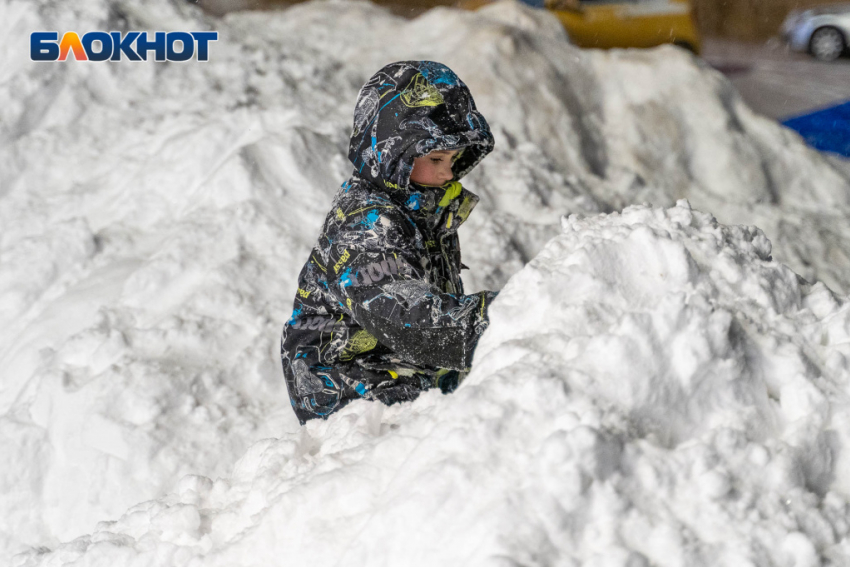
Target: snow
point(657, 387)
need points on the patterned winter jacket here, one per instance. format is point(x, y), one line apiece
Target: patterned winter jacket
point(380, 311)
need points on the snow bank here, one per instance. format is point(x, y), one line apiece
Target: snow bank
point(155, 217)
point(654, 391)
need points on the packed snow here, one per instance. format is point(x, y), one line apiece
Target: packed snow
point(657, 387)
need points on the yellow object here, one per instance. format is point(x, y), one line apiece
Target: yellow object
point(464, 209)
point(342, 260)
point(321, 267)
point(362, 341)
point(420, 92)
point(621, 23)
point(453, 189)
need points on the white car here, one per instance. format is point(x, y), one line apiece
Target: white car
point(823, 31)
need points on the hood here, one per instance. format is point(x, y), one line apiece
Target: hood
point(407, 110)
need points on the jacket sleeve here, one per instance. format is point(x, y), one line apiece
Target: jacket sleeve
point(379, 277)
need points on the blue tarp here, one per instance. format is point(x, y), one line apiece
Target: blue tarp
point(827, 130)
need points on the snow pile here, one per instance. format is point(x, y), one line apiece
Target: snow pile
point(155, 217)
point(654, 391)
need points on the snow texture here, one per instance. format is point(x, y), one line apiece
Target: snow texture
point(655, 388)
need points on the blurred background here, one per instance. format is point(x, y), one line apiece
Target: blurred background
point(787, 58)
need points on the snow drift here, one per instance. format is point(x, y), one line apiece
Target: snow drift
point(155, 218)
point(671, 397)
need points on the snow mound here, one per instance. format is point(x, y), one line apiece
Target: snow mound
point(654, 390)
point(155, 217)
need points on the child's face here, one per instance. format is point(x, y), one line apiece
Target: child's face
point(434, 169)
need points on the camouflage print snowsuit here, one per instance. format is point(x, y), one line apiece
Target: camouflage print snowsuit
point(380, 311)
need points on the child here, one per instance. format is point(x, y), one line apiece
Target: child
point(380, 311)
